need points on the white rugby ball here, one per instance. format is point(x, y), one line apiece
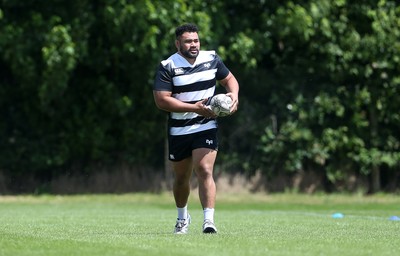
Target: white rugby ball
point(220, 104)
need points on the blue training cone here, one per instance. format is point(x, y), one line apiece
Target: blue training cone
point(338, 215)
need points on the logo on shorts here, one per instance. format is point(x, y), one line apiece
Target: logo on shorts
point(209, 142)
point(171, 156)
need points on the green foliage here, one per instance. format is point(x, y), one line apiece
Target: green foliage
point(59, 57)
point(319, 83)
point(344, 113)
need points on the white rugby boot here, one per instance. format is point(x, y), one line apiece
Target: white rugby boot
point(182, 226)
point(209, 227)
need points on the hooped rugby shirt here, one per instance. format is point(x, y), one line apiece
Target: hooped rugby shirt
point(190, 83)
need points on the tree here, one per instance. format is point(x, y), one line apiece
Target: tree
point(342, 118)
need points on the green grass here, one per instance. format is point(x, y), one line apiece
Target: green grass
point(142, 224)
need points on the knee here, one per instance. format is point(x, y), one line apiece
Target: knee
point(204, 171)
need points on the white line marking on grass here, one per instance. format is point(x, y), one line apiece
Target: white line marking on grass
point(322, 215)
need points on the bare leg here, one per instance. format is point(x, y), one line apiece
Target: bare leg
point(203, 161)
point(181, 188)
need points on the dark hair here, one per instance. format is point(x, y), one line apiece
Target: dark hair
point(189, 27)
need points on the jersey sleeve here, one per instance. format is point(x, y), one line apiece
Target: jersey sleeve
point(222, 70)
point(163, 80)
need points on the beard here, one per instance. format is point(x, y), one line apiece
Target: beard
point(189, 54)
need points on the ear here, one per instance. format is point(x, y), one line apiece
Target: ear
point(177, 44)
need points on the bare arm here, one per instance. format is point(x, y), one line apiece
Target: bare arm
point(165, 101)
point(232, 87)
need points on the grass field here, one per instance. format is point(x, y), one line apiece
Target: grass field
point(142, 224)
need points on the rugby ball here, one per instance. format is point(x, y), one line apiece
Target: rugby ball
point(220, 104)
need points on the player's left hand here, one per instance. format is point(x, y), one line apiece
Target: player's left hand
point(235, 102)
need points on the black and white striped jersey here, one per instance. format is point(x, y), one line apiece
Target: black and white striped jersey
point(190, 83)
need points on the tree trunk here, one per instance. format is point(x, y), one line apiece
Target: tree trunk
point(375, 172)
point(375, 179)
point(167, 165)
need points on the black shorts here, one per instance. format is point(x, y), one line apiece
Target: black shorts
point(181, 146)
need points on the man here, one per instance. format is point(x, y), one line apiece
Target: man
point(182, 86)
